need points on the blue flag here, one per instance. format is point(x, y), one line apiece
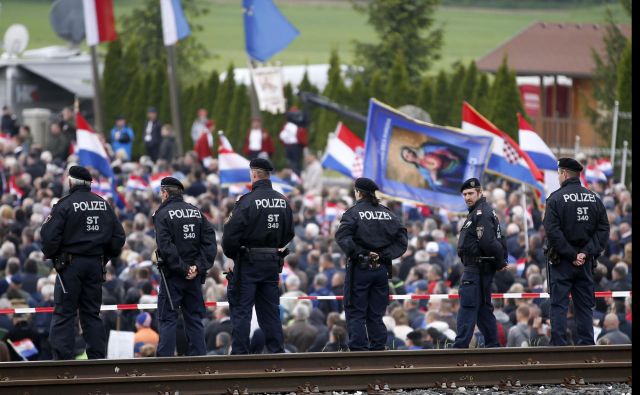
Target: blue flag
point(420, 162)
point(266, 30)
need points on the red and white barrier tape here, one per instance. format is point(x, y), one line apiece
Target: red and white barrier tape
point(153, 306)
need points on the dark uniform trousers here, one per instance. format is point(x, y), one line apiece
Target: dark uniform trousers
point(255, 280)
point(475, 307)
point(577, 280)
point(186, 294)
point(368, 299)
point(83, 282)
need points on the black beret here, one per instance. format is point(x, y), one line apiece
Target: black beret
point(80, 173)
point(171, 182)
point(470, 183)
point(366, 184)
point(570, 164)
point(261, 163)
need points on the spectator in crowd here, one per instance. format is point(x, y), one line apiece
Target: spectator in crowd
point(519, 334)
point(300, 333)
point(199, 125)
point(144, 334)
point(258, 142)
point(152, 135)
point(67, 123)
point(337, 339)
point(312, 174)
point(221, 323)
point(58, 143)
point(9, 121)
point(122, 138)
point(294, 138)
point(611, 333)
point(619, 278)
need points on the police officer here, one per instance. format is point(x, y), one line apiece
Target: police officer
point(81, 234)
point(483, 251)
point(371, 236)
point(254, 236)
point(577, 230)
point(186, 248)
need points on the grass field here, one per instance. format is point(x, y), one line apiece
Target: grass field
point(469, 33)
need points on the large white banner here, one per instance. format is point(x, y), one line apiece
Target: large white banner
point(269, 87)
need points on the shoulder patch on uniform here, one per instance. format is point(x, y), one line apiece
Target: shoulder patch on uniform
point(47, 219)
point(479, 212)
point(479, 231)
point(226, 220)
point(466, 224)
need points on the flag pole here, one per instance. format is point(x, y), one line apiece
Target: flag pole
point(614, 132)
point(623, 172)
point(97, 92)
point(524, 221)
point(253, 94)
point(173, 95)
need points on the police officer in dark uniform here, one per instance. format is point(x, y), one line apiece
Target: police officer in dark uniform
point(186, 249)
point(483, 251)
point(371, 237)
point(577, 230)
point(80, 235)
point(254, 236)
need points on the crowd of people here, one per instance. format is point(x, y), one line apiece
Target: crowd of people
point(32, 180)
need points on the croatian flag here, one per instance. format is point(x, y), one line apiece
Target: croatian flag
point(137, 183)
point(331, 211)
point(280, 185)
point(99, 23)
point(91, 152)
point(540, 154)
point(102, 188)
point(25, 348)
point(234, 168)
point(604, 164)
point(156, 179)
point(507, 158)
point(593, 174)
point(174, 24)
point(345, 152)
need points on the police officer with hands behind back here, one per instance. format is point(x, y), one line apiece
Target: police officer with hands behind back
point(187, 247)
point(254, 236)
point(483, 251)
point(577, 229)
point(371, 237)
point(81, 234)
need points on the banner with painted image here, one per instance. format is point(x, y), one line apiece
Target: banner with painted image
point(269, 85)
point(419, 162)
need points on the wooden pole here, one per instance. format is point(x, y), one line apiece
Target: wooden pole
point(173, 95)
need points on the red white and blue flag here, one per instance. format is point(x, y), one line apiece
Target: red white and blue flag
point(25, 348)
point(137, 183)
point(593, 174)
point(345, 152)
point(99, 22)
point(540, 154)
point(604, 164)
point(156, 179)
point(234, 168)
point(507, 159)
point(102, 188)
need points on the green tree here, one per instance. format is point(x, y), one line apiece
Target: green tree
point(398, 87)
point(210, 90)
point(456, 87)
point(505, 101)
point(402, 26)
point(335, 91)
point(377, 86)
point(134, 112)
point(470, 80)
point(605, 77)
point(112, 84)
point(237, 126)
point(624, 93)
point(223, 99)
point(441, 100)
point(425, 94)
point(358, 101)
point(481, 93)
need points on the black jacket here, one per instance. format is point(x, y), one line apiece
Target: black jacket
point(576, 221)
point(481, 235)
point(367, 228)
point(184, 237)
point(82, 223)
point(260, 218)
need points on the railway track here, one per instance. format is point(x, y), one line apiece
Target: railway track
point(319, 372)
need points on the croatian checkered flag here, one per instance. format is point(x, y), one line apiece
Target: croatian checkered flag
point(358, 163)
point(510, 153)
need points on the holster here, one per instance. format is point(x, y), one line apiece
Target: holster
point(62, 261)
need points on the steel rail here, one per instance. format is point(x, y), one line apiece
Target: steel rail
point(328, 380)
point(40, 370)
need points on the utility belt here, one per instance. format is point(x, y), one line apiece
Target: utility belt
point(365, 262)
point(64, 259)
point(484, 263)
point(251, 252)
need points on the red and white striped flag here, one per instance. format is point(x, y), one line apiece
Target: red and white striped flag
point(99, 23)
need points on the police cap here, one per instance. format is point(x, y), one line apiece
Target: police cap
point(366, 184)
point(261, 163)
point(570, 164)
point(171, 182)
point(80, 173)
point(471, 183)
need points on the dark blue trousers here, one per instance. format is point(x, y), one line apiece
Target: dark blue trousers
point(366, 304)
point(255, 283)
point(475, 308)
point(83, 282)
point(186, 296)
point(578, 281)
